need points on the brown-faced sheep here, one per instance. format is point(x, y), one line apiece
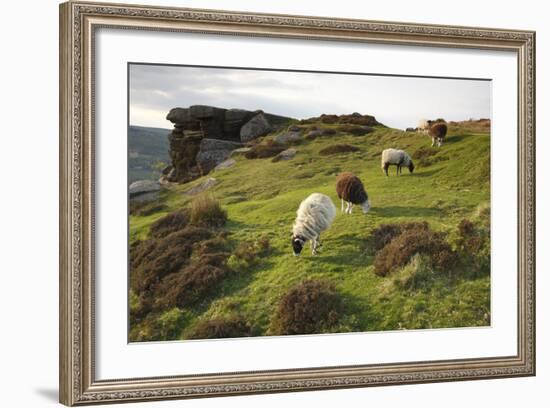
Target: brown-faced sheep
point(350, 189)
point(437, 132)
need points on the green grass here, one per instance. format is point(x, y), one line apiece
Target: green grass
point(261, 199)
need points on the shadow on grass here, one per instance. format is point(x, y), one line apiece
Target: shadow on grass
point(454, 139)
point(352, 255)
point(423, 174)
point(398, 211)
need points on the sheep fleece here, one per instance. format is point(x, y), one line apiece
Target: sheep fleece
point(350, 188)
point(314, 215)
point(394, 156)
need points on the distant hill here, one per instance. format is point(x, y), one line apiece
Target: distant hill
point(147, 152)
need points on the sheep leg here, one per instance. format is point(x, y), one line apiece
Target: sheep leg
point(386, 166)
point(397, 170)
point(342, 206)
point(314, 246)
point(433, 141)
point(350, 207)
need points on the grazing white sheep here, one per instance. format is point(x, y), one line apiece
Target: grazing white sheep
point(314, 216)
point(423, 126)
point(351, 190)
point(398, 158)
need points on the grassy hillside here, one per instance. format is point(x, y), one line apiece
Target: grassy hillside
point(148, 151)
point(261, 198)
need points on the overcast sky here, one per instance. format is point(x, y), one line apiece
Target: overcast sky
point(395, 101)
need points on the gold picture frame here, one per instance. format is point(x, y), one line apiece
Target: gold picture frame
point(78, 22)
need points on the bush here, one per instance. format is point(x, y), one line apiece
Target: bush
point(338, 148)
point(413, 241)
point(328, 131)
point(309, 307)
point(355, 129)
point(206, 211)
point(264, 150)
point(193, 283)
point(173, 222)
point(155, 258)
point(235, 326)
point(329, 119)
point(384, 233)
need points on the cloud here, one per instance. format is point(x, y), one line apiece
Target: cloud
point(395, 101)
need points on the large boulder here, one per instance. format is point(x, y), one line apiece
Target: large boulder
point(287, 154)
point(226, 164)
point(202, 187)
point(234, 120)
point(288, 137)
point(144, 188)
point(255, 127)
point(213, 152)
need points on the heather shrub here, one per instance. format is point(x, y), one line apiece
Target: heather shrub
point(329, 119)
point(328, 131)
point(226, 327)
point(153, 259)
point(384, 233)
point(192, 283)
point(175, 221)
point(206, 211)
point(355, 129)
point(413, 241)
point(264, 150)
point(312, 306)
point(338, 148)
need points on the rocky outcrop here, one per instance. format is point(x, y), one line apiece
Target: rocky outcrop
point(255, 127)
point(204, 136)
point(144, 190)
point(213, 152)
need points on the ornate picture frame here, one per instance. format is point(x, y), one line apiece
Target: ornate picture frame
point(78, 24)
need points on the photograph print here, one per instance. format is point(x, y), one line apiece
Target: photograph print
point(268, 202)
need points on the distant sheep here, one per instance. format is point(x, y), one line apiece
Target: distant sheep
point(398, 158)
point(351, 190)
point(314, 216)
point(423, 126)
point(437, 132)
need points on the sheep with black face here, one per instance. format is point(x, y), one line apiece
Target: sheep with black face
point(398, 158)
point(351, 190)
point(315, 215)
